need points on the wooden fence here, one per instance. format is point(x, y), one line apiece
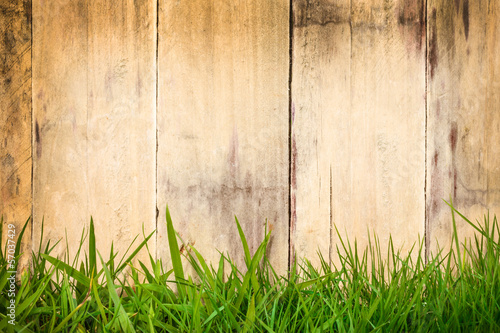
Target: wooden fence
point(359, 114)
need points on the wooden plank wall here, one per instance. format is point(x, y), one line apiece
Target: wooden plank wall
point(15, 118)
point(223, 124)
point(94, 67)
point(463, 145)
point(359, 114)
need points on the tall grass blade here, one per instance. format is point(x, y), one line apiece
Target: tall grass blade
point(243, 239)
point(92, 248)
point(175, 255)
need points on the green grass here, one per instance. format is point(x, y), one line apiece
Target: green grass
point(458, 290)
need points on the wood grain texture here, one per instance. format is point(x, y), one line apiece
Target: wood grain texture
point(121, 120)
point(463, 160)
point(320, 105)
point(358, 133)
point(223, 124)
point(15, 119)
point(94, 111)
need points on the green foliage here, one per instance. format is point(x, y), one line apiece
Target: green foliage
point(455, 291)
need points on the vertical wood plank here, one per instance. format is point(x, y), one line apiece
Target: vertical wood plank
point(463, 115)
point(60, 182)
point(94, 111)
point(121, 120)
point(223, 124)
point(320, 124)
point(15, 119)
point(359, 125)
point(388, 112)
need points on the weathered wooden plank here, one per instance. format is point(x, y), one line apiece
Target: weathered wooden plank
point(223, 124)
point(388, 112)
point(94, 110)
point(320, 104)
point(15, 119)
point(463, 114)
point(60, 182)
point(121, 120)
point(358, 93)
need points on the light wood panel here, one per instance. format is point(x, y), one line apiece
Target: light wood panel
point(94, 119)
point(121, 120)
point(223, 124)
point(15, 120)
point(463, 162)
point(60, 62)
point(320, 103)
point(358, 136)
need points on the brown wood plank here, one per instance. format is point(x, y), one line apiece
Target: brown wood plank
point(463, 160)
point(359, 125)
point(94, 111)
point(15, 120)
point(60, 62)
point(121, 120)
point(223, 124)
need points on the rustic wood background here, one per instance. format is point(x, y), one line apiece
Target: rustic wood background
point(307, 114)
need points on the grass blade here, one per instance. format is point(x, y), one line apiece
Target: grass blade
point(175, 255)
point(244, 243)
point(92, 248)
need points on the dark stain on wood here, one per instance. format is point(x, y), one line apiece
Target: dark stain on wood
point(423, 24)
point(9, 41)
point(310, 13)
point(27, 11)
point(411, 14)
point(453, 136)
point(37, 132)
point(38, 140)
point(465, 18)
point(8, 161)
point(457, 5)
point(433, 44)
point(454, 183)
point(83, 9)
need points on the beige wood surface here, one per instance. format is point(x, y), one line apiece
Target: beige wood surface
point(121, 125)
point(60, 90)
point(94, 119)
point(15, 119)
point(358, 136)
point(463, 159)
point(223, 124)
